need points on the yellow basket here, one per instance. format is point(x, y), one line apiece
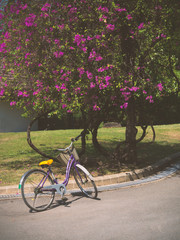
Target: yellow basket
point(65, 156)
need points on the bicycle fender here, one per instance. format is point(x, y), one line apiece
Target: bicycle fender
point(85, 170)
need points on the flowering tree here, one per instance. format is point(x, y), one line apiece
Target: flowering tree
point(95, 56)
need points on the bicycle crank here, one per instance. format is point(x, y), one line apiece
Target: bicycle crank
point(59, 188)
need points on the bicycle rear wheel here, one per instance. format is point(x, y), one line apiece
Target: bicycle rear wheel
point(85, 181)
point(33, 196)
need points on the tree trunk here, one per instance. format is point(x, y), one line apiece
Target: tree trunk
point(131, 131)
point(95, 142)
point(83, 143)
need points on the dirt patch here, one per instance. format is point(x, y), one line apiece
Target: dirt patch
point(172, 135)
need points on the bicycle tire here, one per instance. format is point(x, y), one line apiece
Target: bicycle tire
point(32, 195)
point(85, 181)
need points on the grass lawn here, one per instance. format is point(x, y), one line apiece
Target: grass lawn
point(16, 157)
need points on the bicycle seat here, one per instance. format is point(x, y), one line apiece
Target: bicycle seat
point(46, 163)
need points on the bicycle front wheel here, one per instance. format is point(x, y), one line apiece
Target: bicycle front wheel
point(32, 193)
point(85, 181)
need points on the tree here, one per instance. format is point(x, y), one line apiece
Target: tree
point(98, 57)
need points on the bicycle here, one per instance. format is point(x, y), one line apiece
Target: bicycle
point(38, 187)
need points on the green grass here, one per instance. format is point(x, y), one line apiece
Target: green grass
point(16, 157)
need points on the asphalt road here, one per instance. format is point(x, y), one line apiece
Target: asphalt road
point(143, 212)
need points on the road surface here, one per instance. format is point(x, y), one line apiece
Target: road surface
point(143, 212)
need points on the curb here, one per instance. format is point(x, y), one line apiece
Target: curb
point(107, 180)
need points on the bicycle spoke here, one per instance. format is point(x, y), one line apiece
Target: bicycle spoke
point(32, 195)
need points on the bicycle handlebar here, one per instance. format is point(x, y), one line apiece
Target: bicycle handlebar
point(73, 140)
point(80, 135)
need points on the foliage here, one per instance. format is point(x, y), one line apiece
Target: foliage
point(101, 57)
point(84, 54)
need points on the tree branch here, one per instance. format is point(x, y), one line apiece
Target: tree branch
point(143, 134)
point(30, 142)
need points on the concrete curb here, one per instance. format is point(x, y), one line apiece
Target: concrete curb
point(107, 180)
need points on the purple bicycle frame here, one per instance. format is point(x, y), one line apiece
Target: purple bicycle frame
point(70, 163)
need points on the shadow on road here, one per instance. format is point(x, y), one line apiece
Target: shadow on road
point(66, 202)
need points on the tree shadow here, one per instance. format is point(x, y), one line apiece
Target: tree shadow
point(148, 153)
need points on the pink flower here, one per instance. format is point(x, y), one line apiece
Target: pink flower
point(129, 17)
point(96, 108)
point(63, 86)
point(7, 35)
point(13, 103)
point(77, 39)
point(98, 58)
point(110, 27)
point(25, 94)
point(120, 9)
point(92, 85)
point(125, 105)
point(103, 9)
point(89, 75)
point(141, 26)
point(81, 71)
point(2, 47)
point(98, 36)
point(150, 98)
point(101, 69)
point(45, 7)
point(107, 78)
point(1, 92)
point(35, 93)
point(77, 90)
point(57, 87)
point(72, 10)
point(163, 35)
point(20, 93)
point(29, 21)
point(90, 38)
point(27, 54)
point(92, 54)
point(103, 18)
point(160, 86)
point(61, 26)
point(58, 54)
point(84, 49)
point(24, 7)
point(134, 89)
point(56, 41)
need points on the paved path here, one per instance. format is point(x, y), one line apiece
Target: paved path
point(145, 212)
